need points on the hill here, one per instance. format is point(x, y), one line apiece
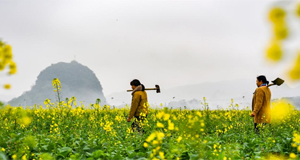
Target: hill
point(76, 80)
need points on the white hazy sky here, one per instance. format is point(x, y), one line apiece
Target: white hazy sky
point(165, 42)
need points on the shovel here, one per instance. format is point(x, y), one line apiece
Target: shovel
point(277, 81)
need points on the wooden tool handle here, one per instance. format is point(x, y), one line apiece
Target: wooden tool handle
point(145, 89)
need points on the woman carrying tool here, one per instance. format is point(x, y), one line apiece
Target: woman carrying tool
point(139, 105)
point(261, 103)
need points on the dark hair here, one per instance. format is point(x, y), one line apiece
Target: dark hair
point(263, 79)
point(136, 82)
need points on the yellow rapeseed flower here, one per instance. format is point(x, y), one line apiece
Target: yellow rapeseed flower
point(294, 145)
point(151, 137)
point(179, 139)
point(146, 145)
point(160, 125)
point(155, 142)
point(25, 121)
point(160, 135)
point(295, 71)
point(14, 156)
point(274, 51)
point(293, 155)
point(24, 157)
point(7, 86)
point(298, 10)
point(166, 117)
point(170, 125)
point(162, 155)
point(3, 149)
point(298, 148)
point(277, 15)
point(159, 115)
point(12, 67)
point(281, 31)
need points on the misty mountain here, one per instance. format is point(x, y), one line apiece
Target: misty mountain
point(218, 94)
point(76, 80)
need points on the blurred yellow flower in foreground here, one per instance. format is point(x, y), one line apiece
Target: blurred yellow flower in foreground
point(281, 109)
point(295, 71)
point(162, 155)
point(281, 31)
point(293, 155)
point(160, 125)
point(25, 121)
point(296, 138)
point(7, 86)
point(274, 51)
point(146, 145)
point(179, 139)
point(273, 157)
point(277, 15)
point(298, 10)
point(14, 156)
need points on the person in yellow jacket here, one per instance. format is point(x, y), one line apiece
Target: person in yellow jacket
point(139, 105)
point(261, 103)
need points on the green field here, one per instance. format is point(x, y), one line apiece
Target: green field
point(70, 131)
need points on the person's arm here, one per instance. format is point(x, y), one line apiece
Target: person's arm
point(134, 105)
point(258, 102)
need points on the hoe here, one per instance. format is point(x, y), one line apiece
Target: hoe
point(156, 88)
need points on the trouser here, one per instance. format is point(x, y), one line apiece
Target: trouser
point(137, 124)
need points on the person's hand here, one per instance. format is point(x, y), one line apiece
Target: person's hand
point(128, 119)
point(252, 114)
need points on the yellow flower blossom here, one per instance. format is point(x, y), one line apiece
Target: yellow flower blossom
point(160, 125)
point(280, 31)
point(146, 145)
point(179, 139)
point(159, 115)
point(3, 149)
point(170, 125)
point(7, 86)
point(166, 117)
point(160, 135)
point(155, 142)
point(277, 15)
point(151, 137)
point(295, 71)
point(294, 145)
point(298, 10)
point(162, 155)
point(293, 155)
point(274, 52)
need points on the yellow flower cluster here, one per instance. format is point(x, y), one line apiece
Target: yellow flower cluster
point(156, 139)
point(6, 59)
point(107, 127)
point(56, 84)
point(295, 71)
point(277, 16)
point(280, 30)
point(280, 110)
point(298, 10)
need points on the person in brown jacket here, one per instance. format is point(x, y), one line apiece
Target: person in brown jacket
point(139, 105)
point(261, 103)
